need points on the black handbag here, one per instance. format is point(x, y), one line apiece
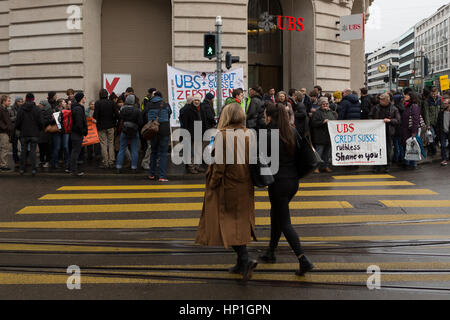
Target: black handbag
point(261, 175)
point(307, 158)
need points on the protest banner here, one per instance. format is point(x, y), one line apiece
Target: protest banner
point(117, 83)
point(183, 83)
point(358, 143)
point(92, 137)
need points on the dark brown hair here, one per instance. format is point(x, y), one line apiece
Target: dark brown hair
point(280, 117)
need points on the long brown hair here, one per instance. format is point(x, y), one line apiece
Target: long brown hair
point(232, 114)
point(280, 118)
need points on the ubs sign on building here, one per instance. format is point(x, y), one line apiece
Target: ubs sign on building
point(47, 45)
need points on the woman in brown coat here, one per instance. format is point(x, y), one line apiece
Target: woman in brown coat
point(228, 216)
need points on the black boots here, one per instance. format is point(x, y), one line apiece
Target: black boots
point(247, 270)
point(305, 265)
point(268, 257)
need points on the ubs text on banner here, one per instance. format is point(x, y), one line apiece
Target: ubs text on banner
point(92, 137)
point(183, 83)
point(359, 142)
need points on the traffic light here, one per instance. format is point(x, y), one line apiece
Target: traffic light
point(210, 46)
point(425, 66)
point(230, 59)
point(386, 79)
point(394, 73)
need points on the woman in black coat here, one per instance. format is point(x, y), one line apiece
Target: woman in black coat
point(285, 187)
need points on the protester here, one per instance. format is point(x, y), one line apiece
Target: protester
point(270, 95)
point(228, 215)
point(158, 109)
point(61, 139)
point(443, 130)
point(148, 97)
point(188, 104)
point(70, 96)
point(45, 137)
point(29, 123)
point(284, 189)
point(254, 110)
point(301, 119)
point(52, 99)
point(13, 110)
point(237, 96)
point(399, 152)
point(431, 108)
point(366, 104)
point(106, 115)
point(337, 96)
point(306, 100)
point(321, 135)
point(94, 151)
point(333, 106)
point(6, 129)
point(350, 106)
point(410, 115)
point(131, 122)
point(283, 99)
point(318, 89)
point(208, 112)
point(190, 116)
point(314, 103)
point(391, 116)
point(78, 132)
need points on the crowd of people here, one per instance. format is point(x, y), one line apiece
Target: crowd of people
point(26, 127)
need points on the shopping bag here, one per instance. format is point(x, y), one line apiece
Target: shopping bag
point(413, 152)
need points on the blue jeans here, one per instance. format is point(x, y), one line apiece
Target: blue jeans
point(134, 143)
point(399, 151)
point(60, 140)
point(324, 152)
point(160, 147)
point(444, 146)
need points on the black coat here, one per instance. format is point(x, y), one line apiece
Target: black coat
point(130, 113)
point(254, 111)
point(6, 125)
point(366, 106)
point(79, 124)
point(301, 118)
point(106, 114)
point(389, 112)
point(190, 115)
point(320, 133)
point(350, 108)
point(29, 121)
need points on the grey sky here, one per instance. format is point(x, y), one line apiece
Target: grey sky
point(389, 19)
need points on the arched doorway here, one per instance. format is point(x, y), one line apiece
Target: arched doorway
point(265, 44)
point(137, 39)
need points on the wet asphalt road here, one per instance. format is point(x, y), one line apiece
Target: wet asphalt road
point(134, 239)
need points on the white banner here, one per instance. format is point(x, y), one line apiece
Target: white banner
point(117, 83)
point(358, 143)
point(183, 83)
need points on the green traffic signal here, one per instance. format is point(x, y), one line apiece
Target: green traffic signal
point(210, 45)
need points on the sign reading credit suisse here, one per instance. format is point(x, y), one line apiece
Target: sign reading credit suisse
point(352, 27)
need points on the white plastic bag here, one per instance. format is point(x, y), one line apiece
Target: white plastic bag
point(430, 136)
point(413, 152)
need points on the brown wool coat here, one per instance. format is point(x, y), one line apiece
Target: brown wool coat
point(228, 215)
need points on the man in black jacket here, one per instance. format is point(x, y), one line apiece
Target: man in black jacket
point(29, 122)
point(208, 113)
point(255, 108)
point(106, 115)
point(366, 104)
point(79, 131)
point(350, 106)
point(6, 129)
point(191, 115)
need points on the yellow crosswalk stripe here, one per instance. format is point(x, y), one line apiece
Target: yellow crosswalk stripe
point(10, 278)
point(302, 193)
point(362, 177)
point(193, 222)
point(202, 186)
point(164, 207)
point(417, 203)
point(72, 248)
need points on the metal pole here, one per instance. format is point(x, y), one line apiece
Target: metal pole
point(219, 62)
point(390, 75)
point(422, 66)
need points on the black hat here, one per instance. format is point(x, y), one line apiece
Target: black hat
point(209, 96)
point(79, 96)
point(151, 90)
point(29, 97)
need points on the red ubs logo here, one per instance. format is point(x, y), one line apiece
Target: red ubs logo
point(351, 27)
point(291, 23)
point(345, 128)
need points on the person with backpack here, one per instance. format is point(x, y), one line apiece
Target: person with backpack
point(106, 115)
point(61, 139)
point(131, 119)
point(45, 138)
point(79, 131)
point(160, 111)
point(29, 123)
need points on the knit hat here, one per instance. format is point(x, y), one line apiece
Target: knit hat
point(79, 96)
point(18, 99)
point(197, 97)
point(29, 97)
point(337, 95)
point(209, 96)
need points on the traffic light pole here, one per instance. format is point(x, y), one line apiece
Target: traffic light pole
point(219, 62)
point(390, 75)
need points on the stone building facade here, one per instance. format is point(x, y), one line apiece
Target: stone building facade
point(39, 53)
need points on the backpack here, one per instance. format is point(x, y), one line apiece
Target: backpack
point(67, 120)
point(130, 129)
point(151, 129)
